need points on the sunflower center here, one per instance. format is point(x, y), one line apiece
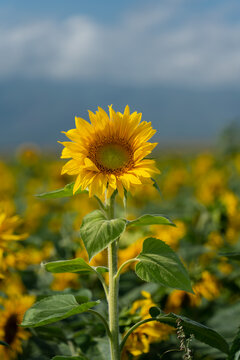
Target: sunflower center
point(10, 329)
point(112, 157)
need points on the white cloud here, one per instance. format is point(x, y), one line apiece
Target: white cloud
point(157, 44)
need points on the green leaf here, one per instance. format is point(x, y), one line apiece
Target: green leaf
point(201, 332)
point(235, 347)
point(77, 265)
point(60, 193)
point(3, 343)
point(159, 263)
point(60, 357)
point(231, 255)
point(54, 308)
point(97, 232)
point(149, 219)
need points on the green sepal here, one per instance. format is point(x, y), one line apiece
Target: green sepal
point(159, 263)
point(54, 308)
point(151, 219)
point(97, 232)
point(66, 191)
point(155, 185)
point(201, 332)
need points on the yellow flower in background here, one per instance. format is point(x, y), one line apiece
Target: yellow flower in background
point(224, 266)
point(169, 234)
point(211, 185)
point(179, 299)
point(8, 181)
point(175, 179)
point(12, 285)
point(10, 317)
point(109, 153)
point(8, 226)
point(64, 281)
point(139, 341)
point(231, 201)
point(202, 164)
point(207, 287)
point(215, 240)
point(130, 252)
point(22, 257)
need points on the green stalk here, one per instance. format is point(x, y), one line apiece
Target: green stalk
point(113, 290)
point(125, 264)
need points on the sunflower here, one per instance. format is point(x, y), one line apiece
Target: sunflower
point(8, 226)
point(109, 152)
point(10, 317)
point(140, 339)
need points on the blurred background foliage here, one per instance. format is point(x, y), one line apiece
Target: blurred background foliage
point(199, 192)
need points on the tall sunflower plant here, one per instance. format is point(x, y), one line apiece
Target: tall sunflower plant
point(108, 157)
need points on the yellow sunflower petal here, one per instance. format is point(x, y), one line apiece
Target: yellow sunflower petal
point(71, 167)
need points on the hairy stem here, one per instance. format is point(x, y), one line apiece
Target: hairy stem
point(104, 285)
point(113, 291)
point(123, 265)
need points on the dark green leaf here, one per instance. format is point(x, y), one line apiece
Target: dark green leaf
point(201, 332)
point(54, 308)
point(3, 343)
point(159, 263)
point(66, 191)
point(232, 255)
point(235, 347)
point(51, 331)
point(150, 219)
point(98, 232)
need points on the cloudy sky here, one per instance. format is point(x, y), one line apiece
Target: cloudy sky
point(177, 61)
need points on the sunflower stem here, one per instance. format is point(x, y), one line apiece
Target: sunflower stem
point(113, 290)
point(123, 265)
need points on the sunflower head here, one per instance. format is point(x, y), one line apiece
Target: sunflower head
point(108, 153)
point(10, 317)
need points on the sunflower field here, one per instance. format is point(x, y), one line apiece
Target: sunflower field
point(198, 193)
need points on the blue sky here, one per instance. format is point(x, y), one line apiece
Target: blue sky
point(177, 47)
